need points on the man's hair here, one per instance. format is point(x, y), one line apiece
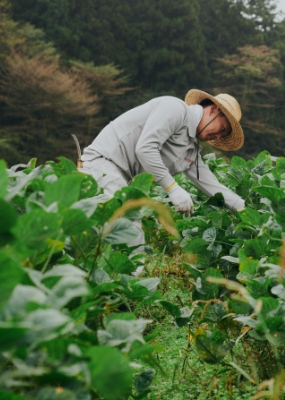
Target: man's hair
point(206, 103)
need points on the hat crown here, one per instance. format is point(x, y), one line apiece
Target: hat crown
point(230, 104)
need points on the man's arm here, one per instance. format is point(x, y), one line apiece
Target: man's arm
point(166, 117)
point(210, 185)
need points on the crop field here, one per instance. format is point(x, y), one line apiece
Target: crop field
point(206, 318)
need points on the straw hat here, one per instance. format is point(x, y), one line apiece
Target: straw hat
point(231, 109)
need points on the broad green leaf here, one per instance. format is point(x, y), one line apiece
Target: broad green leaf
point(129, 193)
point(215, 312)
point(10, 275)
point(142, 182)
point(209, 235)
point(67, 165)
point(88, 206)
point(21, 295)
point(209, 346)
point(111, 375)
point(105, 211)
point(263, 157)
point(238, 162)
point(8, 216)
point(248, 266)
point(11, 334)
point(216, 200)
point(171, 308)
point(3, 179)
point(121, 230)
point(67, 289)
point(64, 270)
point(279, 170)
point(266, 181)
point(254, 248)
point(244, 186)
point(120, 263)
point(75, 222)
point(269, 304)
point(207, 290)
point(185, 316)
point(35, 227)
point(250, 216)
point(65, 190)
point(47, 324)
point(279, 291)
point(10, 396)
point(149, 283)
point(100, 276)
point(196, 246)
point(89, 187)
point(144, 379)
point(136, 292)
point(271, 193)
point(257, 287)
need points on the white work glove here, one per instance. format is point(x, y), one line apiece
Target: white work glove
point(181, 200)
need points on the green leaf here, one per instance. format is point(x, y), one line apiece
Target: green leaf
point(11, 334)
point(75, 222)
point(67, 289)
point(209, 346)
point(8, 216)
point(171, 308)
point(120, 231)
point(47, 324)
point(209, 235)
point(10, 396)
point(35, 227)
point(144, 379)
point(254, 248)
point(111, 375)
point(216, 200)
point(271, 193)
point(3, 179)
point(136, 292)
point(120, 263)
point(142, 182)
point(10, 275)
point(89, 187)
point(248, 266)
point(65, 190)
point(250, 216)
point(129, 193)
point(196, 246)
point(105, 211)
point(269, 304)
point(215, 312)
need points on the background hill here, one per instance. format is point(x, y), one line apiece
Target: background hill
point(70, 66)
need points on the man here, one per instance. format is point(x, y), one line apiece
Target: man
point(162, 137)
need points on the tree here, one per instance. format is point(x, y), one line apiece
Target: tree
point(255, 76)
point(42, 102)
point(158, 43)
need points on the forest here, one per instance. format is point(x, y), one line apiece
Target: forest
point(70, 67)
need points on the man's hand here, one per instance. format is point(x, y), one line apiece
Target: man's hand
point(181, 200)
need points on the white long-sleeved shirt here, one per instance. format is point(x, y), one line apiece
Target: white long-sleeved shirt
point(159, 137)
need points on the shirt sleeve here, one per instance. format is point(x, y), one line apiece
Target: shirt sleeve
point(210, 185)
point(167, 117)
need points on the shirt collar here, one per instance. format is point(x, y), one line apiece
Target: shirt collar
point(196, 112)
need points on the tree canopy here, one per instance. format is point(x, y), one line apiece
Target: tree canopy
point(155, 47)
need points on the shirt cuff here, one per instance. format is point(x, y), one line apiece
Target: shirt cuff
point(166, 181)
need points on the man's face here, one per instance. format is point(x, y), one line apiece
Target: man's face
point(218, 127)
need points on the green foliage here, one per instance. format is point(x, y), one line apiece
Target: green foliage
point(64, 279)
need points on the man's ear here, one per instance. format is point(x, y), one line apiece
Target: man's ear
point(213, 108)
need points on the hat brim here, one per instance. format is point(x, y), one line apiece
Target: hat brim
point(235, 140)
